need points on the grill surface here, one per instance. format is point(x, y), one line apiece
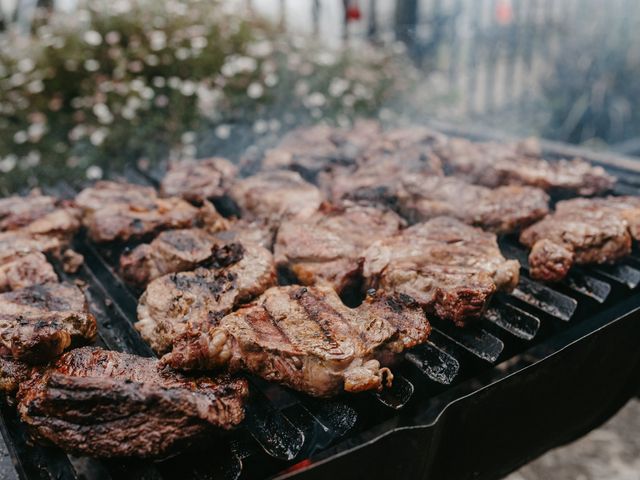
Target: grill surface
point(544, 366)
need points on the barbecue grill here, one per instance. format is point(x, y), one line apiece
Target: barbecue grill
point(544, 366)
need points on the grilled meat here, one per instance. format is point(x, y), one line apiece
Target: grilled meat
point(310, 150)
point(243, 231)
point(501, 210)
point(25, 270)
point(237, 274)
point(375, 179)
point(307, 339)
point(450, 268)
point(582, 231)
point(328, 246)
point(109, 404)
point(275, 195)
point(493, 164)
point(114, 211)
point(38, 323)
point(171, 251)
point(12, 374)
point(198, 180)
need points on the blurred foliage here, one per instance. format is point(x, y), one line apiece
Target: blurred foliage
point(142, 80)
point(593, 94)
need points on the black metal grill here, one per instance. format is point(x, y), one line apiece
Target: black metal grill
point(543, 366)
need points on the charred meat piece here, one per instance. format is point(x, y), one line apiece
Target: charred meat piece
point(307, 339)
point(198, 180)
point(500, 210)
point(109, 404)
point(382, 163)
point(521, 163)
point(25, 270)
point(582, 231)
point(310, 150)
point(114, 211)
point(242, 231)
point(275, 195)
point(450, 268)
point(38, 323)
point(171, 251)
point(12, 374)
point(328, 246)
point(237, 274)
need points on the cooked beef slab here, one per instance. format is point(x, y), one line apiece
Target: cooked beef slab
point(310, 150)
point(307, 339)
point(582, 231)
point(38, 323)
point(382, 163)
point(119, 212)
point(109, 404)
point(501, 210)
point(198, 180)
point(12, 374)
point(171, 251)
point(243, 231)
point(521, 163)
point(328, 246)
point(25, 270)
point(237, 274)
point(275, 195)
point(450, 268)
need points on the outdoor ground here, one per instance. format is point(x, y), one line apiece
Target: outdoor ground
point(611, 452)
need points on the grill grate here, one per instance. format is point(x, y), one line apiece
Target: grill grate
point(285, 431)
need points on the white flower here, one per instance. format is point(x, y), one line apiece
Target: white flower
point(157, 40)
point(182, 53)
point(77, 133)
point(223, 131)
point(152, 60)
point(274, 125)
point(25, 65)
point(188, 137)
point(36, 131)
point(260, 127)
point(174, 82)
point(20, 137)
point(316, 99)
point(17, 79)
point(102, 112)
point(255, 90)
point(188, 88)
point(271, 80)
point(147, 93)
point(112, 37)
point(159, 82)
point(8, 163)
point(161, 101)
point(199, 43)
point(338, 86)
point(98, 136)
point(137, 85)
point(92, 38)
point(94, 172)
point(238, 64)
point(32, 159)
point(326, 59)
point(260, 49)
point(91, 65)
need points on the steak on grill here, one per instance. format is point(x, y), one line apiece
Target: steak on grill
point(109, 404)
point(198, 180)
point(237, 274)
point(275, 195)
point(310, 150)
point(501, 209)
point(307, 339)
point(25, 270)
point(328, 245)
point(520, 163)
point(450, 268)
point(382, 163)
point(582, 231)
point(38, 323)
point(113, 212)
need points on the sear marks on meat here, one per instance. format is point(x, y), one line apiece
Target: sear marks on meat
point(242, 231)
point(171, 251)
point(450, 268)
point(500, 210)
point(237, 273)
point(328, 246)
point(198, 180)
point(582, 231)
point(113, 213)
point(109, 404)
point(310, 150)
point(38, 323)
point(375, 178)
point(12, 374)
point(307, 339)
point(25, 270)
point(521, 163)
point(274, 195)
